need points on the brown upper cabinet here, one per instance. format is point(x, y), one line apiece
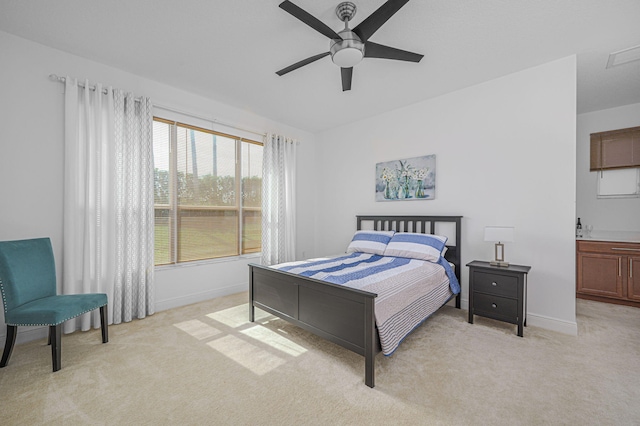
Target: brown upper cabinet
point(615, 149)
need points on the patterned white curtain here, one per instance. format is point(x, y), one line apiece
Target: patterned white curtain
point(133, 288)
point(278, 200)
point(108, 201)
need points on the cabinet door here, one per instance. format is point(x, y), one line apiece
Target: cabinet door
point(633, 277)
point(600, 274)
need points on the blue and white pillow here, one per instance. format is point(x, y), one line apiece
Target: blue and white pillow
point(416, 246)
point(374, 242)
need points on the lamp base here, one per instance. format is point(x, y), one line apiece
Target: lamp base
point(499, 257)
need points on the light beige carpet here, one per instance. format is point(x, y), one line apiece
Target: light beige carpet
point(205, 364)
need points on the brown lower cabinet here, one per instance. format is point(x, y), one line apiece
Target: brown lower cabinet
point(608, 272)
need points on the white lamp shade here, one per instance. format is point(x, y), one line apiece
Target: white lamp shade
point(503, 234)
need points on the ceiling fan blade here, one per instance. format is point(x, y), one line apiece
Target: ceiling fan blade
point(309, 19)
point(347, 75)
point(366, 28)
point(302, 63)
point(374, 50)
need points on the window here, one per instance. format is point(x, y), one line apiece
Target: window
point(621, 183)
point(208, 193)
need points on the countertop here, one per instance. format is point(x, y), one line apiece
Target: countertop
point(613, 236)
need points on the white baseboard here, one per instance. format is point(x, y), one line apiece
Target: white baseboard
point(176, 302)
point(464, 303)
point(536, 320)
point(553, 324)
point(26, 334)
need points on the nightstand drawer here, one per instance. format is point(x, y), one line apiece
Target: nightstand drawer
point(495, 307)
point(501, 285)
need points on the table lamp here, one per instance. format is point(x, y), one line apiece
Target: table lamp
point(499, 235)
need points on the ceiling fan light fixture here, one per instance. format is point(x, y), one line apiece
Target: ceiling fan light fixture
point(347, 57)
point(347, 52)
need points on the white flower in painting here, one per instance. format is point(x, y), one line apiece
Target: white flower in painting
point(388, 175)
point(405, 170)
point(420, 174)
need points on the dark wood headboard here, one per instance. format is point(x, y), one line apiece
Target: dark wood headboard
point(424, 225)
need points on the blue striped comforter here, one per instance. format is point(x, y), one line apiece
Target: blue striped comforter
point(409, 290)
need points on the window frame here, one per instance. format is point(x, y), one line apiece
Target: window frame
point(174, 207)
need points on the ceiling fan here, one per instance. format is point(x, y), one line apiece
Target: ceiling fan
point(349, 46)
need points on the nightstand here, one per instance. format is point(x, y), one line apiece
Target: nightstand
point(498, 292)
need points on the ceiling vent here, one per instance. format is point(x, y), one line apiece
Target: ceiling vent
point(624, 56)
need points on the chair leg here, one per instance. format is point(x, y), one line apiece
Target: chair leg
point(104, 323)
point(55, 334)
point(12, 332)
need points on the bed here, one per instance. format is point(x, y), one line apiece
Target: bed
point(342, 314)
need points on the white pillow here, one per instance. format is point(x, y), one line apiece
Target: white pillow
point(416, 246)
point(374, 242)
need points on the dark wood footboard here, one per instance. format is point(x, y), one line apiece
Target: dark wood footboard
point(342, 315)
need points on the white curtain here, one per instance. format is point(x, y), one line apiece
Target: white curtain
point(278, 200)
point(108, 201)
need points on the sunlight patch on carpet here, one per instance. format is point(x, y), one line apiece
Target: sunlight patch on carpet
point(198, 329)
point(247, 355)
point(237, 316)
point(274, 340)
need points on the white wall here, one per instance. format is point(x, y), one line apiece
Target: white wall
point(31, 161)
point(614, 214)
point(492, 143)
point(505, 155)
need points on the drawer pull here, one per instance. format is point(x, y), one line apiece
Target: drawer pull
point(624, 249)
point(619, 266)
point(493, 305)
point(494, 284)
point(630, 268)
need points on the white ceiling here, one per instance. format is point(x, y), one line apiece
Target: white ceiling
point(229, 50)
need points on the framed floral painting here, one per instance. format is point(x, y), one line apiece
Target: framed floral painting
point(410, 179)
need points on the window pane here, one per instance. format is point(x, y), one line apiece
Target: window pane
point(206, 233)
point(207, 204)
point(251, 231)
point(251, 197)
point(205, 184)
point(161, 144)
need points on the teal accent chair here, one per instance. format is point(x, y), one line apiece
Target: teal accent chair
point(28, 287)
